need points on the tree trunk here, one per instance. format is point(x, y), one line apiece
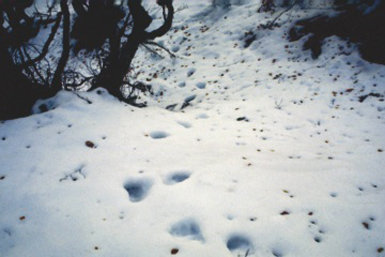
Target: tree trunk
point(56, 81)
point(112, 76)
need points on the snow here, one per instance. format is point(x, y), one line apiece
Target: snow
point(274, 156)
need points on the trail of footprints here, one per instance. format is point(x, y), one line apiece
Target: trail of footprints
point(139, 188)
point(237, 243)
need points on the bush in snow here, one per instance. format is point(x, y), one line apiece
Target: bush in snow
point(47, 49)
point(358, 21)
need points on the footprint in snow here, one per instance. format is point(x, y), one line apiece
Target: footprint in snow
point(240, 245)
point(202, 116)
point(316, 230)
point(201, 85)
point(368, 223)
point(138, 189)
point(184, 124)
point(177, 177)
point(175, 49)
point(191, 72)
point(188, 228)
point(158, 134)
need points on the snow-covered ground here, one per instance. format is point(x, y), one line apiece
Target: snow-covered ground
point(275, 155)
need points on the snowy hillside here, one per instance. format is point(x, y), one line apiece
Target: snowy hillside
point(243, 151)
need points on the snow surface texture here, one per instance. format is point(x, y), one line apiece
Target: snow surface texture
point(274, 156)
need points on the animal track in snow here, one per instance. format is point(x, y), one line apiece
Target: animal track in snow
point(367, 223)
point(201, 85)
point(240, 245)
point(158, 134)
point(315, 229)
point(202, 116)
point(187, 228)
point(138, 189)
point(77, 174)
point(184, 124)
point(177, 177)
point(191, 72)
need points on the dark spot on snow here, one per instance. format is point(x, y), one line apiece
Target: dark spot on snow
point(2, 177)
point(318, 239)
point(239, 244)
point(253, 218)
point(334, 195)
point(380, 249)
point(137, 189)
point(177, 177)
point(174, 251)
point(366, 225)
point(285, 213)
point(90, 144)
point(363, 97)
point(3, 138)
point(158, 134)
point(187, 228)
point(242, 119)
point(22, 218)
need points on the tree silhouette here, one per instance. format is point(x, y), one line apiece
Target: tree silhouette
point(42, 48)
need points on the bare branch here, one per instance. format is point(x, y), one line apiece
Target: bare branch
point(166, 26)
point(161, 47)
point(45, 48)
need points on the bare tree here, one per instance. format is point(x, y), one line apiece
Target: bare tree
point(107, 36)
